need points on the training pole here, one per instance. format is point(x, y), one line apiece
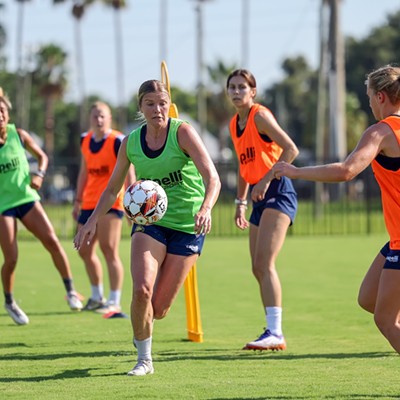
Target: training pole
point(193, 317)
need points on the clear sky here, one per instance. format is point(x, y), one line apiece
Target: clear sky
point(277, 29)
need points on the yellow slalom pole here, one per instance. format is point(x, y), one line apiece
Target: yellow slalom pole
point(193, 317)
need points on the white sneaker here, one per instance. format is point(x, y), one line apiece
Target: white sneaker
point(108, 307)
point(267, 341)
point(143, 367)
point(73, 301)
point(18, 316)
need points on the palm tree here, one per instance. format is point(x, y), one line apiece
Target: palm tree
point(50, 75)
point(219, 108)
point(3, 40)
point(20, 94)
point(78, 11)
point(117, 6)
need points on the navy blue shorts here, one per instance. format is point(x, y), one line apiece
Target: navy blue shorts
point(19, 211)
point(280, 196)
point(392, 257)
point(177, 242)
point(85, 214)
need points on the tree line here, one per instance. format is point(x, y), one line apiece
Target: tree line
point(39, 104)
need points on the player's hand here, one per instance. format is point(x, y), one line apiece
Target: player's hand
point(240, 218)
point(202, 221)
point(259, 190)
point(282, 168)
point(36, 182)
point(75, 210)
point(85, 234)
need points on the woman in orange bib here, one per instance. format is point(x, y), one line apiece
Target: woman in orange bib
point(380, 147)
point(99, 148)
point(259, 143)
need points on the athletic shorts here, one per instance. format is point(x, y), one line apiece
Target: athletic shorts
point(177, 242)
point(19, 211)
point(85, 214)
point(392, 257)
point(280, 196)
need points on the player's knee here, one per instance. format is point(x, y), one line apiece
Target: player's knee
point(160, 313)
point(10, 263)
point(142, 294)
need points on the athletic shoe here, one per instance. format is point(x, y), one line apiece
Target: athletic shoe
point(108, 307)
point(93, 305)
point(267, 341)
point(18, 316)
point(143, 367)
point(74, 302)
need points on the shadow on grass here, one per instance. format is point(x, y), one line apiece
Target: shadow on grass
point(67, 374)
point(229, 355)
point(342, 397)
point(56, 356)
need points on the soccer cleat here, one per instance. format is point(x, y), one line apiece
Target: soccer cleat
point(143, 367)
point(18, 316)
point(93, 305)
point(267, 341)
point(108, 307)
point(74, 302)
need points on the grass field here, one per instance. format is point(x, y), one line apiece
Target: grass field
point(334, 349)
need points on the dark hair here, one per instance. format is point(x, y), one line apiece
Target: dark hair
point(151, 86)
point(246, 74)
point(386, 78)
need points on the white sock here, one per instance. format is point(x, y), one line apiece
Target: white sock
point(143, 348)
point(97, 292)
point(115, 297)
point(274, 320)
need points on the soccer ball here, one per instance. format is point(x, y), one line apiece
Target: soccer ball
point(145, 202)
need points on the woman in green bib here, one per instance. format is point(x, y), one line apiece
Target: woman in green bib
point(170, 152)
point(19, 199)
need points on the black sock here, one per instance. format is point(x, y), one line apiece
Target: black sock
point(69, 287)
point(8, 297)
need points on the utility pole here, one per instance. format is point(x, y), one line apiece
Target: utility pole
point(245, 33)
point(337, 122)
point(201, 95)
point(163, 30)
point(331, 120)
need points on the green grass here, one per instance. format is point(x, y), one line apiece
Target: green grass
point(334, 349)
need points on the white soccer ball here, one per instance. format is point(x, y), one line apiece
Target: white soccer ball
point(145, 202)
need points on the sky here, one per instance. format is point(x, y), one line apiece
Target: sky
point(153, 30)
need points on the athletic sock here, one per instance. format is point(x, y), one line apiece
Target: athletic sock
point(97, 292)
point(143, 348)
point(8, 298)
point(115, 297)
point(274, 320)
point(69, 286)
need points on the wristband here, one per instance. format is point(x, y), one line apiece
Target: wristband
point(41, 173)
point(240, 202)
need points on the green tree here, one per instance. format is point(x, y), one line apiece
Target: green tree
point(379, 47)
point(219, 108)
point(50, 78)
point(294, 99)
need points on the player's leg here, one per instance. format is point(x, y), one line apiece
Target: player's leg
point(171, 277)
point(37, 222)
point(147, 254)
point(266, 241)
point(109, 236)
point(9, 248)
point(387, 308)
point(369, 286)
point(94, 269)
